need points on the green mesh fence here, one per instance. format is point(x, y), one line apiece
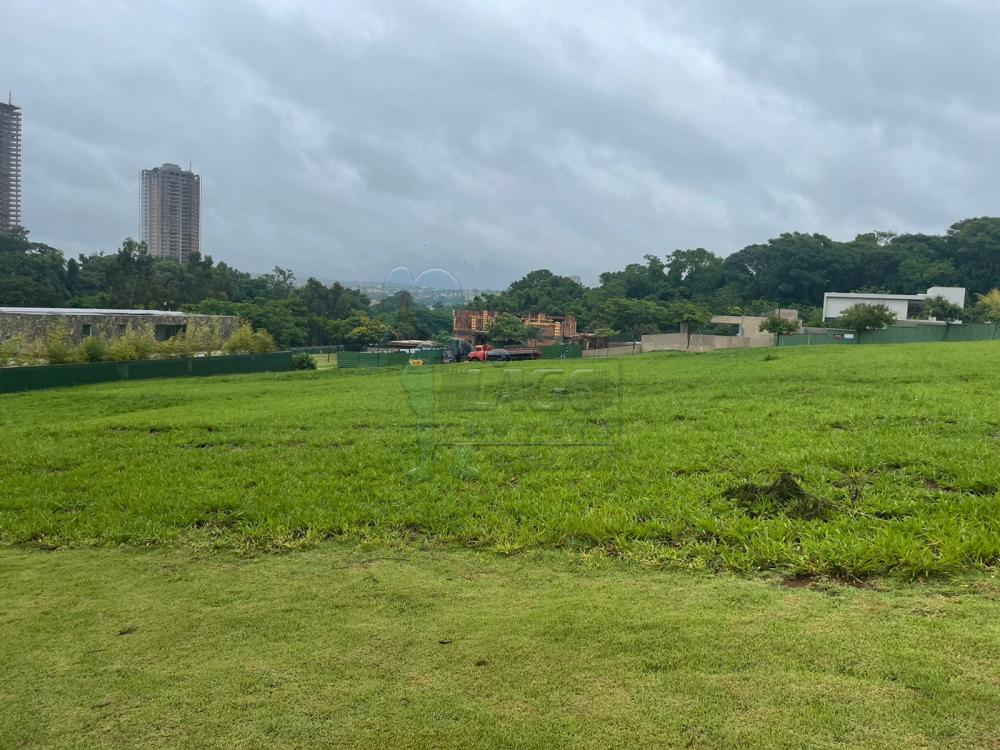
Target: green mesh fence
point(562, 351)
point(348, 360)
point(16, 379)
point(897, 335)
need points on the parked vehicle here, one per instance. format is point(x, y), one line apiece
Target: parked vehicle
point(486, 353)
point(508, 355)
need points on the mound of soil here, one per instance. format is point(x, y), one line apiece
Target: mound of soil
point(784, 497)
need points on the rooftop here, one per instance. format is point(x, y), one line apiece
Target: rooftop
point(876, 295)
point(86, 311)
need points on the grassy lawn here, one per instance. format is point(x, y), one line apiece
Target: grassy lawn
point(384, 648)
point(744, 549)
point(667, 460)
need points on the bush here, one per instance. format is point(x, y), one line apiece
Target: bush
point(247, 341)
point(303, 362)
point(121, 350)
point(57, 347)
point(10, 348)
point(93, 349)
point(263, 342)
point(194, 339)
point(132, 345)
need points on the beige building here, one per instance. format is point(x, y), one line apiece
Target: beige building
point(10, 166)
point(170, 223)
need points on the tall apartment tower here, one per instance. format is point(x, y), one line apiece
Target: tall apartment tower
point(10, 166)
point(171, 212)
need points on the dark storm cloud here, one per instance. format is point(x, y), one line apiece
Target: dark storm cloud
point(344, 139)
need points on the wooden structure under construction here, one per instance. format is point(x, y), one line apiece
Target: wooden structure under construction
point(473, 326)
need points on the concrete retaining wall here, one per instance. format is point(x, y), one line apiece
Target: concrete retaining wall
point(659, 342)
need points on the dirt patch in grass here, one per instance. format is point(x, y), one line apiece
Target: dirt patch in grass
point(979, 489)
point(783, 497)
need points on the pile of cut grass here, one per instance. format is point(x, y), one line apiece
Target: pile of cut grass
point(652, 459)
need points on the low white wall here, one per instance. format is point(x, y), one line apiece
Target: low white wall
point(659, 342)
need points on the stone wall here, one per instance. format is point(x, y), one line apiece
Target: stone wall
point(35, 326)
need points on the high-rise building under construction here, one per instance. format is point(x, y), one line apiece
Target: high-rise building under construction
point(170, 222)
point(10, 166)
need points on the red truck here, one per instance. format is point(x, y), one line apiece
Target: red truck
point(486, 353)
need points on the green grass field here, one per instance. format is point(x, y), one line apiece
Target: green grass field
point(745, 549)
point(340, 647)
point(894, 448)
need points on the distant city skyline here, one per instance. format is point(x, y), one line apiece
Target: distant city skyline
point(170, 211)
point(10, 165)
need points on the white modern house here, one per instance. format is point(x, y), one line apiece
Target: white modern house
point(906, 306)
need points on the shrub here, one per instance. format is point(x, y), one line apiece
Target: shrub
point(303, 362)
point(241, 342)
point(175, 346)
point(145, 344)
point(133, 345)
point(10, 348)
point(247, 341)
point(194, 339)
point(93, 349)
point(263, 342)
point(204, 338)
point(57, 347)
point(121, 350)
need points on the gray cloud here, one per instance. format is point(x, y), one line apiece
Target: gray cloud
point(346, 138)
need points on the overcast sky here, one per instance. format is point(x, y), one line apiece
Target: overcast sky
point(491, 138)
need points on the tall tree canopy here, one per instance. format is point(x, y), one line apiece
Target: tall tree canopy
point(791, 270)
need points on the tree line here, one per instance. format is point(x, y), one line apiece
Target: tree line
point(33, 274)
point(792, 270)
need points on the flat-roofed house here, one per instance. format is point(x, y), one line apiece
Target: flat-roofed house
point(906, 306)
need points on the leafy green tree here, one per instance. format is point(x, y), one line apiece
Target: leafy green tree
point(367, 332)
point(941, 309)
point(336, 331)
point(507, 330)
point(637, 281)
point(973, 245)
point(688, 316)
point(988, 308)
point(779, 326)
point(634, 316)
point(406, 325)
point(31, 274)
point(281, 282)
point(694, 274)
point(861, 318)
